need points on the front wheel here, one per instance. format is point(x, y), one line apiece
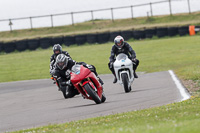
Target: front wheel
point(125, 82)
point(103, 99)
point(92, 93)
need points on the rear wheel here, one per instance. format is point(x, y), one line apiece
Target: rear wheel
point(125, 82)
point(64, 91)
point(92, 93)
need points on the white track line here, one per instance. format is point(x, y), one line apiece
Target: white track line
point(185, 95)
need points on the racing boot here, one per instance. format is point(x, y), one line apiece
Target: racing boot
point(76, 92)
point(115, 80)
point(135, 75)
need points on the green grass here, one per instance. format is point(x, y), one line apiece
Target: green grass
point(180, 54)
point(104, 25)
point(183, 117)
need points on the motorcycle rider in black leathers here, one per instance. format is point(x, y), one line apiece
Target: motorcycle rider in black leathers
point(63, 67)
point(121, 46)
point(57, 49)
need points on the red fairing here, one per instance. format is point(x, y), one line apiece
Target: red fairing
point(79, 80)
point(79, 77)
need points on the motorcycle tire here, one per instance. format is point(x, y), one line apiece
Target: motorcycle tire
point(125, 82)
point(92, 93)
point(103, 99)
point(33, 44)
point(9, 47)
point(63, 89)
point(21, 45)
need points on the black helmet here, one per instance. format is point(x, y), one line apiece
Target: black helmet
point(119, 42)
point(61, 61)
point(57, 49)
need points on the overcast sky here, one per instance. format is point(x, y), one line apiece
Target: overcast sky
point(27, 8)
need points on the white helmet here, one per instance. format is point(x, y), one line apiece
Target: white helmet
point(119, 41)
point(61, 61)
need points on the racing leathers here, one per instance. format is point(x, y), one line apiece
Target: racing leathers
point(126, 49)
point(53, 60)
point(63, 79)
point(63, 76)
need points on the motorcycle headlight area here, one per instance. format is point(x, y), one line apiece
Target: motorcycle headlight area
point(76, 69)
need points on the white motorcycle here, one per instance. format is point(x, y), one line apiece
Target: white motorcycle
point(123, 67)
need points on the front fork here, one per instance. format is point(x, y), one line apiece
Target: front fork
point(88, 81)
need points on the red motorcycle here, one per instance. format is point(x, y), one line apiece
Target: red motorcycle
point(87, 84)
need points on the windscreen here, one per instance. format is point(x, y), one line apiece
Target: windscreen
point(121, 57)
point(76, 69)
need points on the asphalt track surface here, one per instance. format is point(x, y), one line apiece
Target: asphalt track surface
point(33, 103)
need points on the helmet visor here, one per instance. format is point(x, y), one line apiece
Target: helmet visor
point(57, 51)
point(119, 43)
point(61, 65)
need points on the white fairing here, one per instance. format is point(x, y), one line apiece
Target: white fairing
point(121, 65)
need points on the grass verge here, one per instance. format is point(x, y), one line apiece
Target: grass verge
point(183, 117)
point(104, 25)
point(180, 54)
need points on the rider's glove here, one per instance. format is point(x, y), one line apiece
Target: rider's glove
point(134, 60)
point(67, 73)
point(52, 72)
